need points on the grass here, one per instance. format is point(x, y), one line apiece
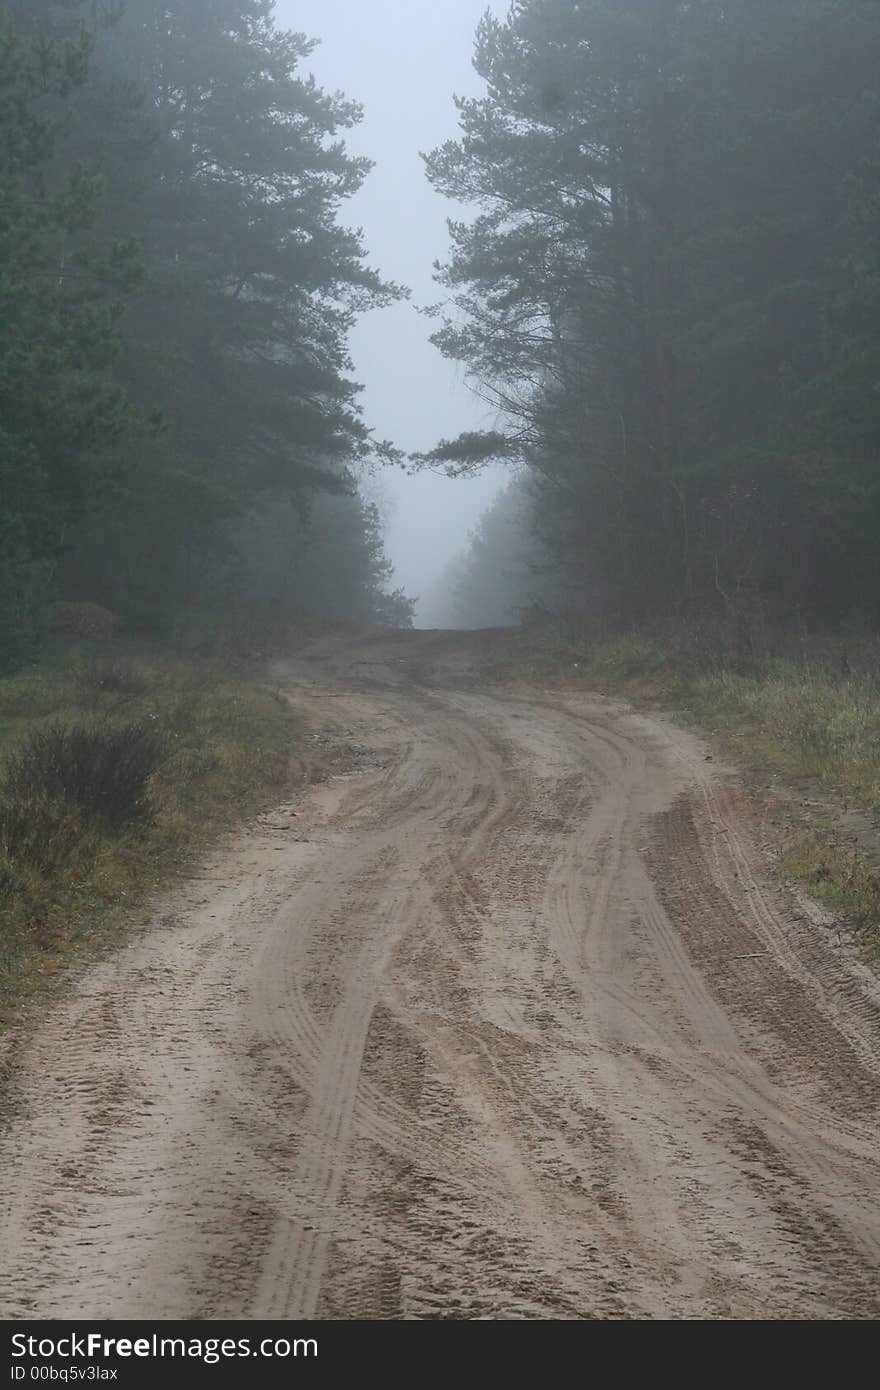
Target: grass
point(839, 876)
point(803, 723)
point(807, 709)
point(114, 770)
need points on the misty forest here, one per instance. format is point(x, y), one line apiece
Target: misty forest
point(660, 293)
point(668, 292)
point(178, 425)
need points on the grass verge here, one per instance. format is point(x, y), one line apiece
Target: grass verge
point(114, 769)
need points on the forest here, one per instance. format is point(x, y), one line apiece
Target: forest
point(669, 295)
point(179, 431)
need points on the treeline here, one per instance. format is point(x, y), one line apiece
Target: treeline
point(503, 575)
point(671, 293)
point(178, 425)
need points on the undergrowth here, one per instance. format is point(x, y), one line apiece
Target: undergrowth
point(113, 770)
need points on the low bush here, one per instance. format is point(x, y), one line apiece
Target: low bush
point(50, 836)
point(101, 770)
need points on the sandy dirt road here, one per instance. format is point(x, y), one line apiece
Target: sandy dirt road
point(506, 1018)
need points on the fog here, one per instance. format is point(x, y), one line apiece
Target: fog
point(403, 60)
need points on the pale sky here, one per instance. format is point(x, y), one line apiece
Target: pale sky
point(403, 60)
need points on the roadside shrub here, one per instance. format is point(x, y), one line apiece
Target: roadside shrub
point(102, 771)
point(51, 836)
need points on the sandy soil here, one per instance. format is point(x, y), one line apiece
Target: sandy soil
point(506, 1018)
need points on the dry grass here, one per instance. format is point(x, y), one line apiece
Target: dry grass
point(803, 723)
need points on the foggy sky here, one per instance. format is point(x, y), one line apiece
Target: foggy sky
point(403, 60)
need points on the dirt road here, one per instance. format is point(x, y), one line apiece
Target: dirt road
point(506, 1018)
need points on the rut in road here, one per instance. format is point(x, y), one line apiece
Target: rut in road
point(507, 1019)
